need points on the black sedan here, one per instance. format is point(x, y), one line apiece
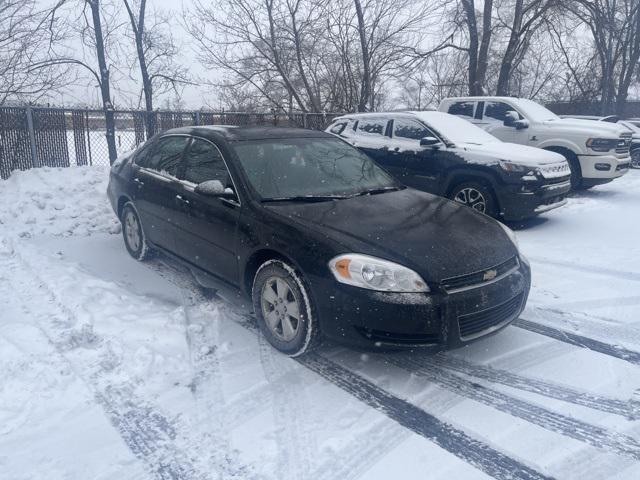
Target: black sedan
point(325, 242)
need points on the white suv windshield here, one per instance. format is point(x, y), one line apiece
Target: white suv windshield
point(534, 111)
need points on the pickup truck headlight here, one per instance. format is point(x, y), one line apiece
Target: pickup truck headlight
point(376, 274)
point(602, 144)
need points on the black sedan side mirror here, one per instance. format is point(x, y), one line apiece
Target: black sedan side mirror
point(214, 188)
point(429, 142)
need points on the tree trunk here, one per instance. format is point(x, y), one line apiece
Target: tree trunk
point(138, 27)
point(365, 85)
point(472, 26)
point(506, 65)
point(483, 52)
point(107, 106)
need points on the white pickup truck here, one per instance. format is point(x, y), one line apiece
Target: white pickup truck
point(597, 152)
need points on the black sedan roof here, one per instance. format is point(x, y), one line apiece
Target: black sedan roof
point(232, 133)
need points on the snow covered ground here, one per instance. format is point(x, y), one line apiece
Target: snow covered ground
point(113, 369)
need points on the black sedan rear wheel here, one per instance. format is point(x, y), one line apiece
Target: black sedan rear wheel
point(476, 195)
point(282, 304)
point(133, 233)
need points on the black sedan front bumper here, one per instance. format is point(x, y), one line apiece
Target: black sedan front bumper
point(521, 201)
point(442, 319)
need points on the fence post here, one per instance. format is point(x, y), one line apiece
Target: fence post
point(197, 117)
point(32, 138)
point(304, 120)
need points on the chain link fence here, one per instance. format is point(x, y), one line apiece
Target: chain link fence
point(59, 137)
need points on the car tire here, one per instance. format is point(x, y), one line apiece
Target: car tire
point(635, 158)
point(477, 195)
point(284, 308)
point(574, 167)
point(133, 233)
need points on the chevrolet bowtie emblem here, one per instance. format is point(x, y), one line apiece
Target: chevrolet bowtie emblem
point(489, 275)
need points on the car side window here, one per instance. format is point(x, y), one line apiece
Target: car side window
point(203, 161)
point(143, 152)
point(497, 111)
point(410, 130)
point(166, 155)
point(338, 128)
point(464, 109)
point(375, 127)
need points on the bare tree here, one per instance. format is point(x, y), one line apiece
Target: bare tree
point(308, 55)
point(526, 17)
point(156, 52)
point(26, 36)
point(615, 29)
point(92, 34)
point(479, 40)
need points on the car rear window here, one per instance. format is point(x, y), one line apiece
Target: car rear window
point(372, 127)
point(464, 109)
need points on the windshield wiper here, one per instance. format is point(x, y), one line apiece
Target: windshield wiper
point(305, 198)
point(375, 191)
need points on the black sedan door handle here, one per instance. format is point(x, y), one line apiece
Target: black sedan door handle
point(182, 200)
point(138, 181)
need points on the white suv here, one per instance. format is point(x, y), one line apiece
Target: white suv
point(597, 152)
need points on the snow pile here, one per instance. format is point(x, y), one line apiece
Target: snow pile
point(59, 202)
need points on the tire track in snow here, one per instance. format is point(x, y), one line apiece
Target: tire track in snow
point(580, 341)
point(629, 409)
point(296, 445)
point(471, 450)
point(455, 441)
point(593, 435)
point(621, 274)
point(144, 429)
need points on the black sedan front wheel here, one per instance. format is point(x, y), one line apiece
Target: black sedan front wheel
point(282, 304)
point(133, 233)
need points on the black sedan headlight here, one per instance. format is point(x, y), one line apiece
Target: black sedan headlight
point(374, 273)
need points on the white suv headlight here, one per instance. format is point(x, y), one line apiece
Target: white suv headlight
point(376, 274)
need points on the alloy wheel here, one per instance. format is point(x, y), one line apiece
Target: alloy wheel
point(472, 198)
point(132, 231)
point(280, 309)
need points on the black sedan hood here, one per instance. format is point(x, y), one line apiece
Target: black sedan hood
point(434, 236)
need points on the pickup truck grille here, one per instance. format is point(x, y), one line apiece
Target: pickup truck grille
point(622, 148)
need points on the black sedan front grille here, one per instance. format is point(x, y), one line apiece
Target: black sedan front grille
point(400, 338)
point(473, 324)
point(478, 278)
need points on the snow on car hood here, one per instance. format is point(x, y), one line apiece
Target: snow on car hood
point(520, 154)
point(592, 128)
point(436, 237)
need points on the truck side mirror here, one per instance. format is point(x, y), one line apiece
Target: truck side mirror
point(510, 118)
point(429, 142)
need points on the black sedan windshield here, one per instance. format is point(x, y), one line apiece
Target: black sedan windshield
point(309, 168)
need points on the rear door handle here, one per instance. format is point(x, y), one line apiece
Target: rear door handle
point(182, 200)
point(138, 181)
